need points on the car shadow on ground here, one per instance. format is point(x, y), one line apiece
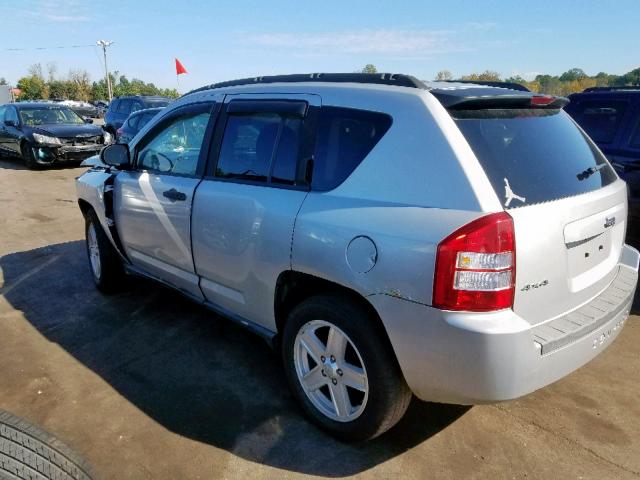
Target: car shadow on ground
point(196, 374)
point(12, 163)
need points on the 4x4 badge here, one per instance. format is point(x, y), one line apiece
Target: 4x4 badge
point(529, 286)
point(609, 222)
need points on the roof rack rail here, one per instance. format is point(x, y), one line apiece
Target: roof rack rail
point(489, 83)
point(611, 89)
point(396, 79)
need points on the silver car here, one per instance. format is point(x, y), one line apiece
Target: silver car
point(456, 242)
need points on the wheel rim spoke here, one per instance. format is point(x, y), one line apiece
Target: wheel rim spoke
point(354, 377)
point(94, 250)
point(312, 345)
point(314, 379)
point(336, 343)
point(340, 399)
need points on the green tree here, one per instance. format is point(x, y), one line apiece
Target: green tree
point(629, 78)
point(516, 79)
point(3, 81)
point(443, 75)
point(79, 85)
point(58, 90)
point(549, 84)
point(33, 88)
point(123, 86)
point(486, 76)
point(573, 74)
point(369, 68)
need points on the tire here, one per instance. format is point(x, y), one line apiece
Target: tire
point(104, 262)
point(28, 157)
point(376, 395)
point(27, 452)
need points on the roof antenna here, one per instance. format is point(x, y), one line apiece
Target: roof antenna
point(509, 195)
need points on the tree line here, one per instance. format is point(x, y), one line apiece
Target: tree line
point(77, 85)
point(572, 81)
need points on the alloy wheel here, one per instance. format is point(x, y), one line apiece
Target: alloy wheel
point(331, 371)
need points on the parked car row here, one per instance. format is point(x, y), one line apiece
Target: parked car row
point(47, 132)
point(457, 242)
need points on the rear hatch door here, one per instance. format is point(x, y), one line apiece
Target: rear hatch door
point(568, 205)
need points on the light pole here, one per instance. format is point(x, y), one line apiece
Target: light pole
point(104, 44)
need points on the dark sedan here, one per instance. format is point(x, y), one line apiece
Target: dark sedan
point(47, 133)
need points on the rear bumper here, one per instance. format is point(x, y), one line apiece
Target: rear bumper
point(471, 358)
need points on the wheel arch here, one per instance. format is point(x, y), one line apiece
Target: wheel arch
point(294, 287)
point(85, 207)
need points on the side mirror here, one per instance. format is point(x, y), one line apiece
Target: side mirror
point(88, 120)
point(10, 123)
point(116, 155)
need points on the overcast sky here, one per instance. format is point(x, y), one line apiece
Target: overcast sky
point(223, 40)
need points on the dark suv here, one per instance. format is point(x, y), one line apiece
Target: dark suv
point(121, 107)
point(611, 117)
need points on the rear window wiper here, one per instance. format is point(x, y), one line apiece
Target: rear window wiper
point(590, 171)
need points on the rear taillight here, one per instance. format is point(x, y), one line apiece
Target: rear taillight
point(476, 266)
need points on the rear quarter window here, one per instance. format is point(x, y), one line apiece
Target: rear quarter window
point(133, 121)
point(532, 156)
point(345, 137)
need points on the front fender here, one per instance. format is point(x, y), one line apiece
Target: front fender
point(95, 188)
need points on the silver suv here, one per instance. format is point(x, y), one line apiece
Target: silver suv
point(459, 242)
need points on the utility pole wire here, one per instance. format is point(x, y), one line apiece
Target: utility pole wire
point(104, 44)
point(44, 48)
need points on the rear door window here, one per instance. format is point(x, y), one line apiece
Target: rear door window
point(601, 119)
point(532, 156)
point(345, 137)
point(260, 147)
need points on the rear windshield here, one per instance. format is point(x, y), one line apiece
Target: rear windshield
point(533, 156)
point(156, 103)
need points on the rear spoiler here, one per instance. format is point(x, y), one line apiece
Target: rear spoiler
point(481, 98)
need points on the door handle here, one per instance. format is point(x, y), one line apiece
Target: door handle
point(174, 195)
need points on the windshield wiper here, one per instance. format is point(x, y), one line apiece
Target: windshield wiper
point(590, 171)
